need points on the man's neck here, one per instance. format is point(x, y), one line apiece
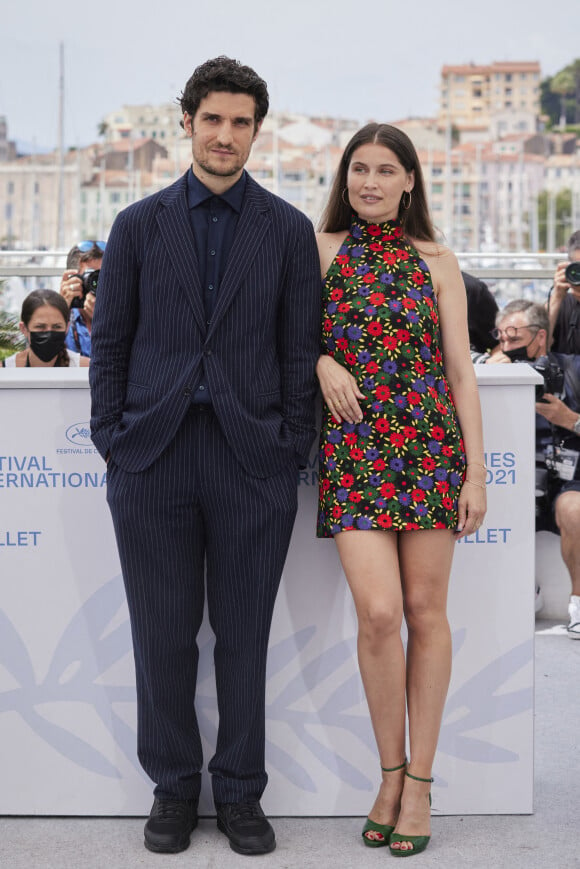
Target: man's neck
point(218, 184)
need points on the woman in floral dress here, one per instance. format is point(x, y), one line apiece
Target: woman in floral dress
point(402, 473)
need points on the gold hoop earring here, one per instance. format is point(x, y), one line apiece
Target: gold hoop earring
point(346, 202)
point(406, 205)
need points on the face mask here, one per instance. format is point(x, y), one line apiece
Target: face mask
point(518, 354)
point(47, 345)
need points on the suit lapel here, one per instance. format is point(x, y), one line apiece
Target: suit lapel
point(175, 229)
point(253, 225)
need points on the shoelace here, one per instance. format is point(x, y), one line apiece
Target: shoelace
point(169, 810)
point(245, 811)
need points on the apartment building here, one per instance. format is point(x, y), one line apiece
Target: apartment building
point(490, 101)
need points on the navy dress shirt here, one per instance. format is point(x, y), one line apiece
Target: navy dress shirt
point(213, 221)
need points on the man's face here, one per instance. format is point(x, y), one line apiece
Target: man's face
point(514, 332)
point(222, 134)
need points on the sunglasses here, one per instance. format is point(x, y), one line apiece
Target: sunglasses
point(86, 246)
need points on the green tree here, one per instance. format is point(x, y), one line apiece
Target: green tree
point(560, 95)
point(562, 218)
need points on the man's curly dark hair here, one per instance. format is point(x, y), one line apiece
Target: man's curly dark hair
point(224, 74)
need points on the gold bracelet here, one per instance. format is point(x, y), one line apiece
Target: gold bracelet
point(477, 464)
point(479, 485)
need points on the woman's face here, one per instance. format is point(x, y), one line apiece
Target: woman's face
point(44, 319)
point(376, 180)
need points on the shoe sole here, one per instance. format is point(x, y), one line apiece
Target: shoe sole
point(182, 845)
point(261, 848)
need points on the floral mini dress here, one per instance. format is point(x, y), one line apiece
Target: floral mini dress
point(402, 467)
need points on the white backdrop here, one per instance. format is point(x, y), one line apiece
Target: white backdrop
point(67, 699)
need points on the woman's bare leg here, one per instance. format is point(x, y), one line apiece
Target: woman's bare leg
point(425, 558)
point(370, 562)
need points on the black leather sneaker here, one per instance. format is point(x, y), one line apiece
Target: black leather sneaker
point(170, 825)
point(246, 826)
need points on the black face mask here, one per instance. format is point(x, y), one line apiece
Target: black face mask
point(47, 345)
point(518, 354)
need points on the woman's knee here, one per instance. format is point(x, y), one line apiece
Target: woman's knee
point(377, 622)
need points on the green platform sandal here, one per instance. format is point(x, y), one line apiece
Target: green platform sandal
point(419, 843)
point(384, 829)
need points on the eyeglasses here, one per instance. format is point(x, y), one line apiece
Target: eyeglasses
point(86, 246)
point(511, 333)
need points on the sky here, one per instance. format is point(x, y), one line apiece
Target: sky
point(377, 59)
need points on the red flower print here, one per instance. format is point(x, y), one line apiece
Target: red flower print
point(383, 393)
point(356, 453)
point(411, 526)
point(344, 307)
point(388, 490)
point(437, 433)
point(369, 278)
point(336, 294)
point(390, 342)
point(375, 246)
point(442, 486)
point(419, 367)
point(375, 329)
point(336, 512)
point(410, 432)
point(418, 277)
point(397, 439)
point(325, 485)
point(398, 231)
point(347, 480)
point(447, 451)
point(350, 358)
point(409, 304)
point(373, 229)
point(347, 271)
point(418, 495)
point(428, 463)
point(350, 438)
point(414, 397)
point(342, 259)
point(426, 338)
point(403, 334)
point(377, 298)
point(328, 449)
point(389, 257)
point(447, 503)
point(327, 326)
point(402, 254)
point(382, 425)
point(341, 343)
point(371, 367)
point(379, 465)
point(355, 497)
point(384, 520)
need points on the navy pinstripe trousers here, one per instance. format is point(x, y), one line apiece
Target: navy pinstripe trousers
point(196, 508)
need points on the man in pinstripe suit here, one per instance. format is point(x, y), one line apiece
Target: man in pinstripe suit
point(204, 344)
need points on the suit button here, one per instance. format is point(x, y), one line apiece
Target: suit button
point(187, 392)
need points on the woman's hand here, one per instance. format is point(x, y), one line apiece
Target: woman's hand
point(472, 504)
point(340, 390)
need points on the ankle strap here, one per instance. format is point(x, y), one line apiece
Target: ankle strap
point(394, 768)
point(417, 778)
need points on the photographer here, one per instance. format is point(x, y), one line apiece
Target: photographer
point(78, 286)
point(564, 301)
point(522, 330)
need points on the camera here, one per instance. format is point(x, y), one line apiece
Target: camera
point(89, 278)
point(572, 274)
point(552, 375)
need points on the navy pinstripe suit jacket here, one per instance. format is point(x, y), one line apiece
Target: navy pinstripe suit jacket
point(259, 350)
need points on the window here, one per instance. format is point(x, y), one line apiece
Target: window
point(114, 197)
point(437, 188)
point(10, 187)
point(36, 188)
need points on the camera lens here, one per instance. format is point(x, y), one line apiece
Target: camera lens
point(572, 274)
point(90, 279)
